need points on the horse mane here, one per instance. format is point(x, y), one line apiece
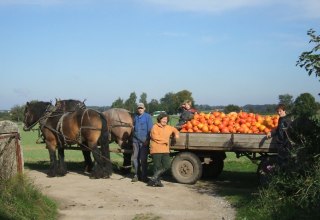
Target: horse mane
point(69, 105)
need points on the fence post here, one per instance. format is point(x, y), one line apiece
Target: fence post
point(11, 154)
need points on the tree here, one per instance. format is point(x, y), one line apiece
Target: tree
point(287, 100)
point(305, 105)
point(310, 60)
point(154, 105)
point(231, 108)
point(118, 103)
point(17, 113)
point(183, 95)
point(4, 115)
point(170, 103)
point(143, 99)
point(130, 104)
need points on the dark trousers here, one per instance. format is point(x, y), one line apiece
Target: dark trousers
point(139, 159)
point(161, 163)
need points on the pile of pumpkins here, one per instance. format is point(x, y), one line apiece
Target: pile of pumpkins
point(242, 122)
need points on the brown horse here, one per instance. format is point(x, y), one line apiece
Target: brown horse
point(120, 125)
point(84, 127)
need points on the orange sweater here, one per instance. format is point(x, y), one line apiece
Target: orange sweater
point(160, 138)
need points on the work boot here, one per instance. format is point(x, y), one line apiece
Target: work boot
point(151, 182)
point(158, 183)
point(145, 179)
point(135, 179)
point(155, 183)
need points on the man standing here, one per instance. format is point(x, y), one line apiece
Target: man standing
point(141, 137)
point(281, 134)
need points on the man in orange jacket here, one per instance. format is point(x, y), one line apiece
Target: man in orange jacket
point(159, 147)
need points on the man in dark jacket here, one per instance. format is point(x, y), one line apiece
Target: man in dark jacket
point(142, 123)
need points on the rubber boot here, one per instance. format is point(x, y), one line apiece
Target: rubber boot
point(155, 179)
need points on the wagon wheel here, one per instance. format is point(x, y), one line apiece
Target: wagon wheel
point(265, 169)
point(213, 169)
point(186, 168)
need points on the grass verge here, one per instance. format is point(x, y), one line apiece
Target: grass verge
point(20, 199)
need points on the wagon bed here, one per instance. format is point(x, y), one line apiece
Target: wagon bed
point(225, 142)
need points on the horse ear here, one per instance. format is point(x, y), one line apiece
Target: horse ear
point(56, 99)
point(84, 100)
point(28, 103)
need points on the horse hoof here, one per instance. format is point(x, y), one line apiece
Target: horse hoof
point(51, 175)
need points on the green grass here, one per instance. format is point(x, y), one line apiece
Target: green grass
point(239, 184)
point(20, 199)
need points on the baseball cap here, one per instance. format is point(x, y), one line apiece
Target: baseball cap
point(140, 105)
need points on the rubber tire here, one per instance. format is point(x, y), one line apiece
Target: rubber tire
point(186, 168)
point(213, 169)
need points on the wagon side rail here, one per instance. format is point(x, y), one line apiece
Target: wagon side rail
point(253, 143)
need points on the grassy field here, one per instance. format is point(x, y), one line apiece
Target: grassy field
point(238, 182)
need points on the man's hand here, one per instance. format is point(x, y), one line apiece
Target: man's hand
point(269, 135)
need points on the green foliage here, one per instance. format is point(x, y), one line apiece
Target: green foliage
point(19, 199)
point(143, 99)
point(4, 115)
point(117, 103)
point(231, 108)
point(17, 113)
point(293, 193)
point(310, 60)
point(294, 189)
point(305, 105)
point(154, 106)
point(130, 103)
point(287, 100)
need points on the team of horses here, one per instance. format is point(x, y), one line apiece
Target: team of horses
point(70, 123)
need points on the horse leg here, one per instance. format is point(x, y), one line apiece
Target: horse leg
point(105, 151)
point(62, 168)
point(103, 166)
point(98, 164)
point(53, 163)
point(88, 161)
point(126, 165)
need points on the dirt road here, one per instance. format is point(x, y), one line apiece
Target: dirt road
point(80, 197)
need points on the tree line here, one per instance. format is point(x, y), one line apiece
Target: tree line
point(172, 101)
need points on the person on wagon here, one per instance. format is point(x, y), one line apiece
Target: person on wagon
point(186, 113)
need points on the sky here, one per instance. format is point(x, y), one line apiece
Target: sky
point(225, 52)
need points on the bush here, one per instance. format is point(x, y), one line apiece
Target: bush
point(19, 199)
point(294, 189)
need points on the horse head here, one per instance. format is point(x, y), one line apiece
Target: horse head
point(33, 112)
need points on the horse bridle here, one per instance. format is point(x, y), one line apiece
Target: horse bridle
point(48, 111)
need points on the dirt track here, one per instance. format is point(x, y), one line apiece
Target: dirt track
point(80, 197)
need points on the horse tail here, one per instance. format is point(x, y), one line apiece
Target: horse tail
point(104, 143)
